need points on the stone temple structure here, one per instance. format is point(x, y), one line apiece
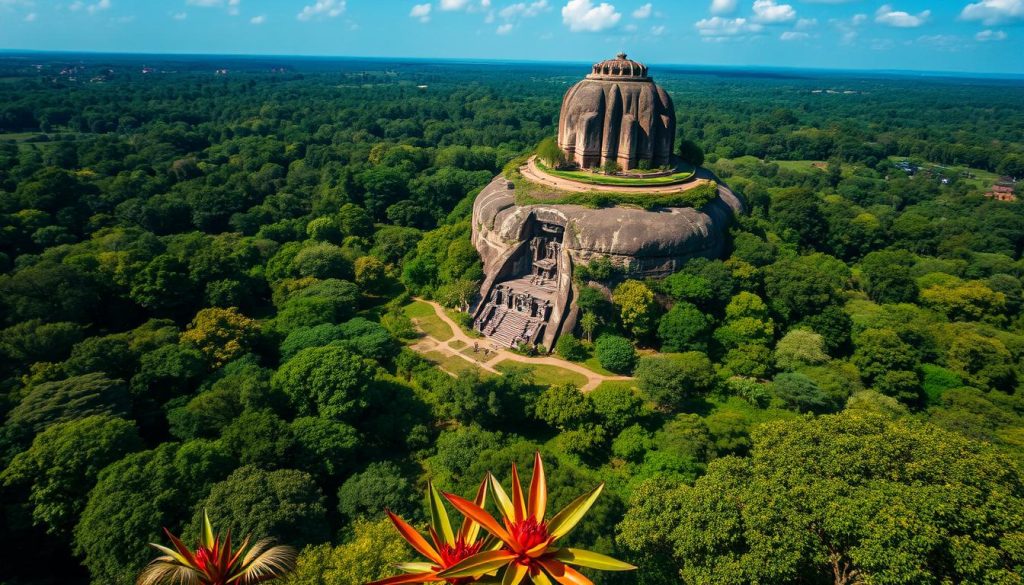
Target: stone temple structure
point(617, 114)
point(529, 240)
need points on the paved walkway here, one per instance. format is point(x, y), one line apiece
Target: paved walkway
point(533, 174)
point(495, 357)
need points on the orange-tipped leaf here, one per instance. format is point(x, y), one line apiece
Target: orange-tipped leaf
point(181, 548)
point(538, 490)
point(414, 539)
point(485, 520)
point(518, 504)
point(478, 564)
point(562, 573)
point(471, 529)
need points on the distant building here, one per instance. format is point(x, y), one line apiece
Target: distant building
point(1001, 193)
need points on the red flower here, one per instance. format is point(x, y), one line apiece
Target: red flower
point(448, 550)
point(528, 540)
point(214, 563)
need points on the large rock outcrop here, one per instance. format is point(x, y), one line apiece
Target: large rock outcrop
point(617, 114)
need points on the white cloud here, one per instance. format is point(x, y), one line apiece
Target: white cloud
point(644, 11)
point(524, 10)
point(468, 5)
point(258, 19)
point(90, 8)
point(31, 17)
point(991, 12)
point(657, 30)
point(583, 16)
point(179, 15)
point(900, 19)
point(791, 35)
point(723, 6)
point(848, 27)
point(768, 11)
point(233, 6)
point(718, 28)
point(321, 9)
point(421, 12)
point(806, 23)
point(948, 43)
point(504, 29)
point(990, 35)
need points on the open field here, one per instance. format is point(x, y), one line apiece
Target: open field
point(424, 316)
point(546, 375)
point(449, 363)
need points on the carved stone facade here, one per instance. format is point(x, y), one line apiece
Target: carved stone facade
point(517, 310)
point(617, 114)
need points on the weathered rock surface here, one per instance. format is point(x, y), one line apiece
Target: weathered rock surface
point(617, 114)
point(650, 243)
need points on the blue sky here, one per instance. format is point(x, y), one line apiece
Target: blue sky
point(936, 35)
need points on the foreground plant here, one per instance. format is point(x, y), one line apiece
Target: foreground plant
point(214, 562)
point(448, 547)
point(528, 541)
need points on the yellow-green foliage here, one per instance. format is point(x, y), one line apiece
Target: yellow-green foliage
point(221, 334)
point(371, 554)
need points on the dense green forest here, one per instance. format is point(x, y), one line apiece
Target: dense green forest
point(204, 282)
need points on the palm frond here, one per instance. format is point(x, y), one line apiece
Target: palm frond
point(167, 571)
point(265, 561)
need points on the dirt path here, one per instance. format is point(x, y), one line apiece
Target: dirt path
point(497, 356)
point(532, 173)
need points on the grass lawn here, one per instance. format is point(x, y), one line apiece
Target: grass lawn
point(457, 344)
point(544, 374)
point(685, 173)
point(427, 320)
point(449, 363)
point(628, 384)
point(594, 365)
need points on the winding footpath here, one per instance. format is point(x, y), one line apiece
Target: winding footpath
point(496, 356)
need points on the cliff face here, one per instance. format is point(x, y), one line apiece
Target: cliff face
point(649, 243)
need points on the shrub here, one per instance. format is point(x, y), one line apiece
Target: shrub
point(570, 348)
point(615, 353)
point(671, 380)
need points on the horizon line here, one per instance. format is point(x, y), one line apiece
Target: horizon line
point(905, 72)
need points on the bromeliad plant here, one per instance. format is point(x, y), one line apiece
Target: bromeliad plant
point(527, 542)
point(215, 563)
point(449, 548)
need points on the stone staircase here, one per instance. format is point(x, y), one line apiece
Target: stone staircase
point(507, 327)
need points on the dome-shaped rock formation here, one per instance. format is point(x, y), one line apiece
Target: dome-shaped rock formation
point(617, 114)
